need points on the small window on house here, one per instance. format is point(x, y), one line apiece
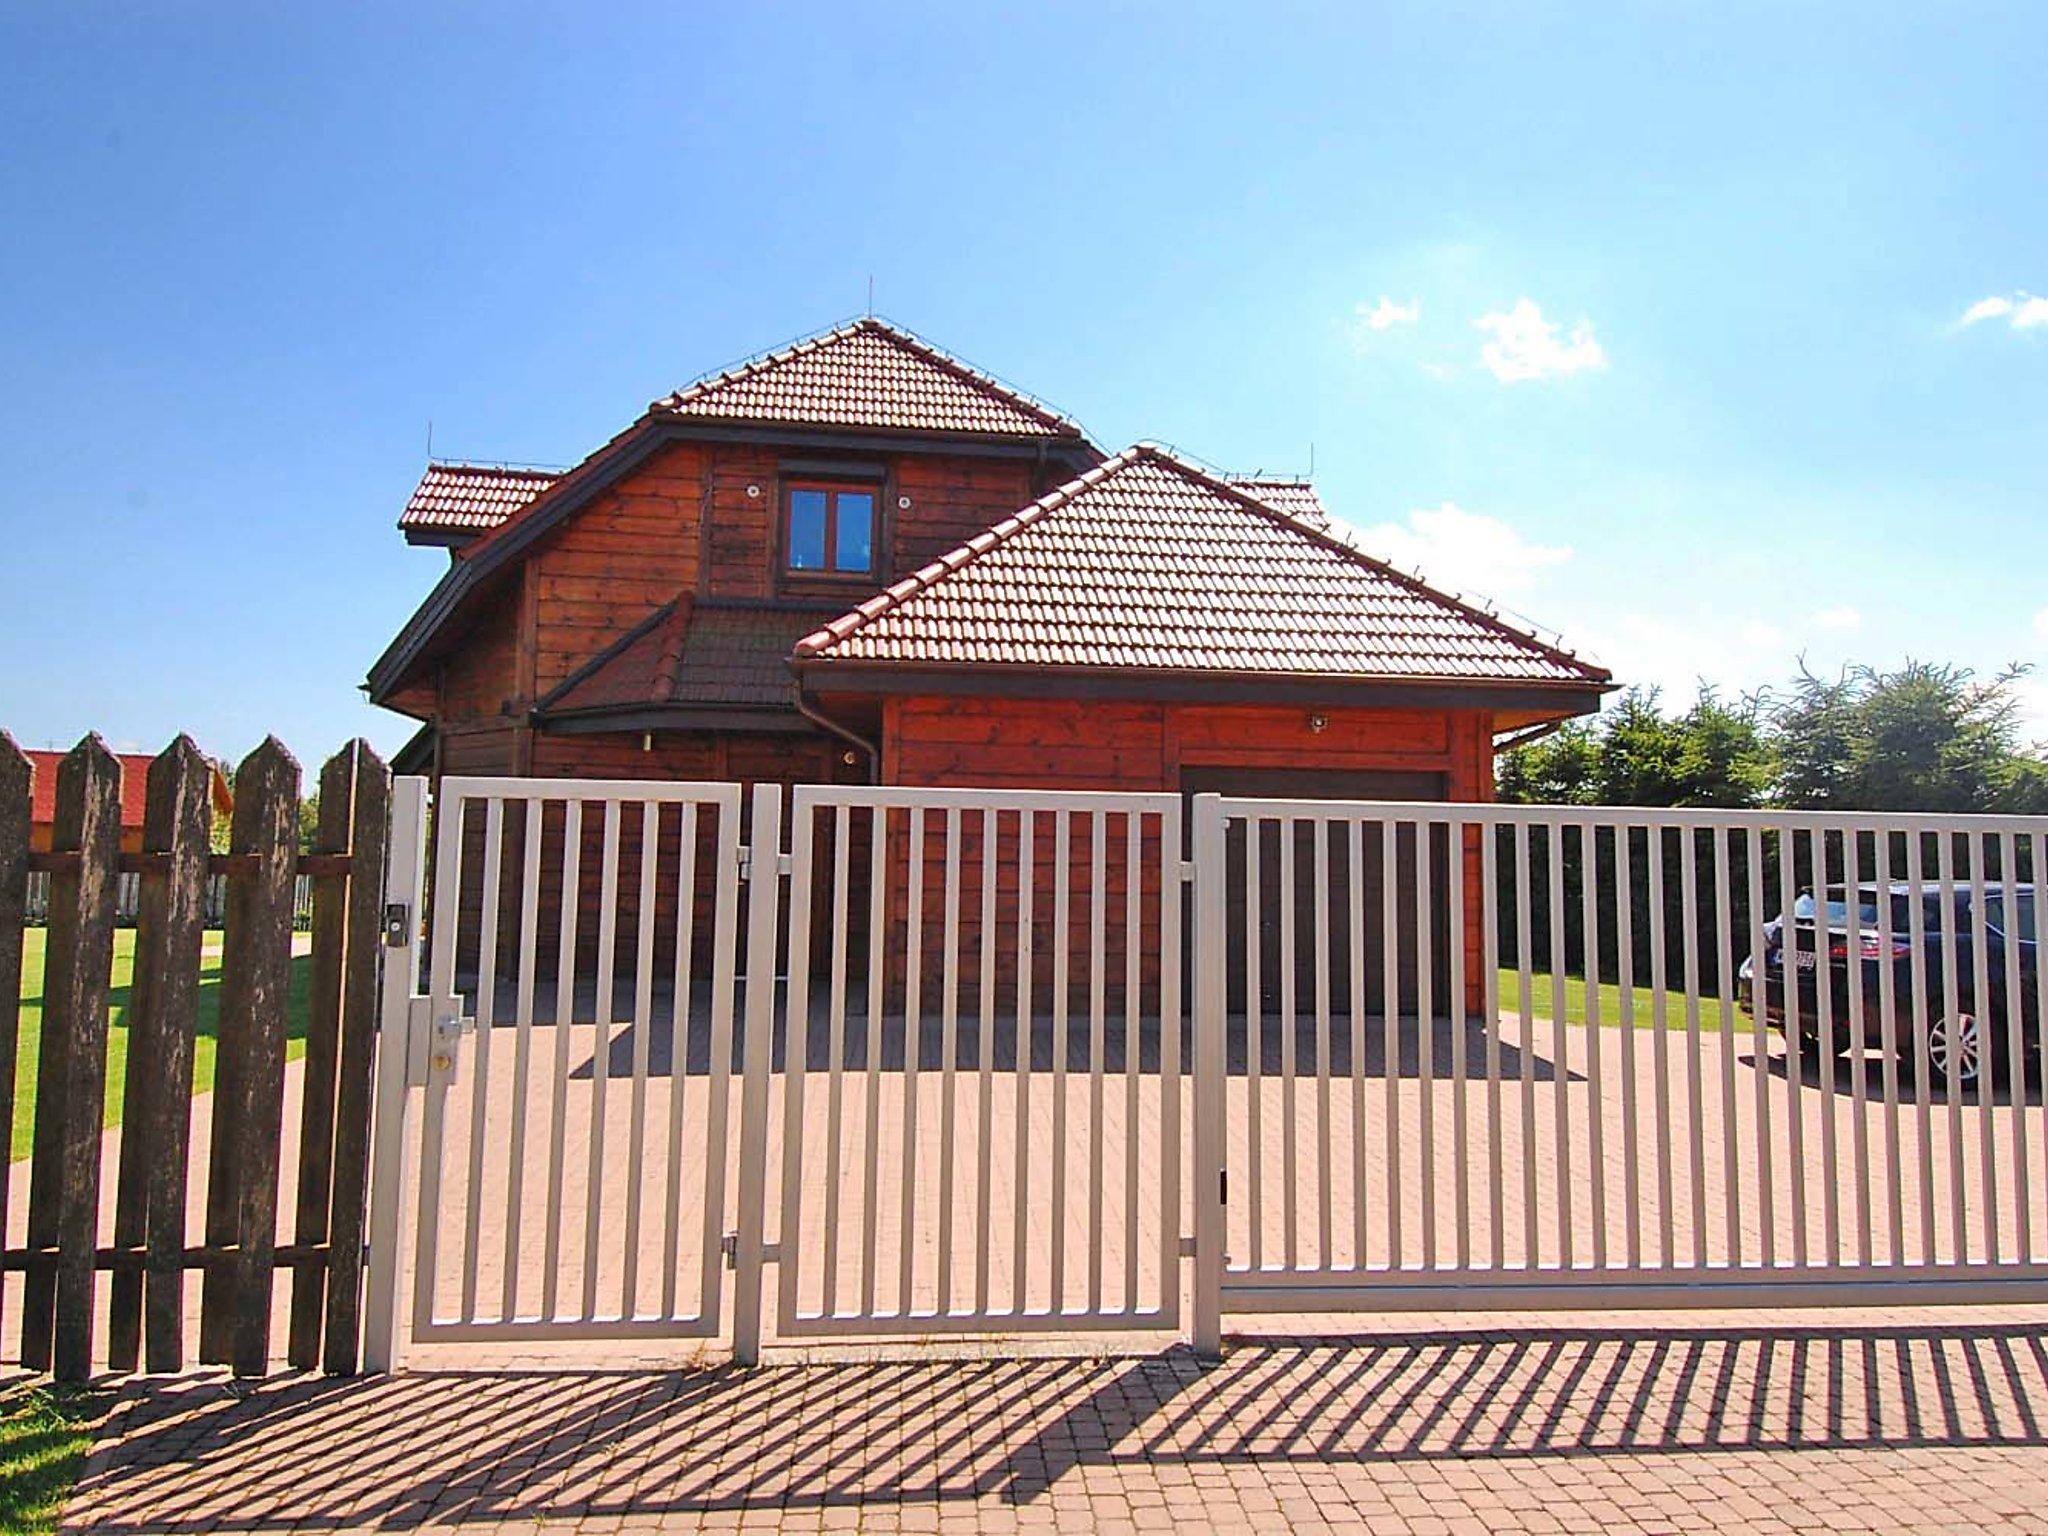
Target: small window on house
point(831, 530)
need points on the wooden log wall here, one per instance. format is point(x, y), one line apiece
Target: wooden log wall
point(144, 1249)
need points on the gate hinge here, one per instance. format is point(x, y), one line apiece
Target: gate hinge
point(729, 1245)
point(1223, 1186)
point(1187, 871)
point(745, 855)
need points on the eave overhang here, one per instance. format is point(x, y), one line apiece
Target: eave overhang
point(478, 561)
point(1561, 700)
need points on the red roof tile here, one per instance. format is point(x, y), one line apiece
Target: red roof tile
point(1147, 562)
point(1297, 498)
point(471, 498)
point(134, 788)
point(868, 374)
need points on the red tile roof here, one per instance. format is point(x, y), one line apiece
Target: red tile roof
point(471, 498)
point(1297, 498)
point(868, 374)
point(134, 788)
point(1147, 562)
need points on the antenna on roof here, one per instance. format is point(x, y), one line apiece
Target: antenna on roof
point(430, 437)
point(1311, 459)
point(871, 295)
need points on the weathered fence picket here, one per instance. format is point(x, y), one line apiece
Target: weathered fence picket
point(17, 778)
point(71, 1072)
point(172, 889)
point(163, 1019)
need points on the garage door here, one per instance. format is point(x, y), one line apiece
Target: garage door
point(1272, 950)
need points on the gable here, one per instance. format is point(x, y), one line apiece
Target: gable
point(868, 374)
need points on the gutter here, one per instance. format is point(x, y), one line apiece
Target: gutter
point(1524, 737)
point(844, 733)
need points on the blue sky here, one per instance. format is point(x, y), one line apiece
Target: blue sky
point(1647, 321)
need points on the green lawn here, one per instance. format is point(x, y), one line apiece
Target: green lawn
point(117, 1039)
point(1610, 1003)
point(44, 1435)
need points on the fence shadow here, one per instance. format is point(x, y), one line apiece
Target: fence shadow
point(442, 1446)
point(1048, 1038)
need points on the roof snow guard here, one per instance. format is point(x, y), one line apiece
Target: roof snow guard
point(1148, 564)
point(868, 374)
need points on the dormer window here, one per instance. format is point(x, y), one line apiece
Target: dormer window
point(829, 529)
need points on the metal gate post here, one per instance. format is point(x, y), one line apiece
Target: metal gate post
point(1205, 1325)
point(405, 877)
point(764, 898)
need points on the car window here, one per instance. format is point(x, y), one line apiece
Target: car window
point(1806, 907)
point(2025, 915)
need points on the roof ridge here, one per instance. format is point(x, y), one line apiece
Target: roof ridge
point(898, 336)
point(496, 467)
point(900, 592)
point(1385, 567)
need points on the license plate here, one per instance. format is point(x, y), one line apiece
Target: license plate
point(1804, 959)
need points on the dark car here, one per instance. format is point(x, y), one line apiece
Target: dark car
point(1880, 938)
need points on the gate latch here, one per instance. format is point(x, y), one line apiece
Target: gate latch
point(449, 1028)
point(435, 1028)
point(397, 925)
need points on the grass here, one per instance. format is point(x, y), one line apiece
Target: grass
point(117, 1038)
point(45, 1432)
point(1540, 1001)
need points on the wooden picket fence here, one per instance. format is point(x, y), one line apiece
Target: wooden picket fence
point(146, 1247)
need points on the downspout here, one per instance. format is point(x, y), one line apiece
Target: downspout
point(844, 733)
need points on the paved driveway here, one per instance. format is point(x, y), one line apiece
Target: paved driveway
point(1762, 1424)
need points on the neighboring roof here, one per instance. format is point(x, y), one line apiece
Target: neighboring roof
point(694, 654)
point(1297, 498)
point(868, 374)
point(1147, 563)
point(134, 788)
point(460, 499)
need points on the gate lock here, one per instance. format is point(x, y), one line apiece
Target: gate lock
point(436, 1038)
point(449, 1028)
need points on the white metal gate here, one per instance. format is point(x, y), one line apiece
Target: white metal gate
point(1441, 1056)
point(576, 1060)
point(980, 1093)
point(1503, 1058)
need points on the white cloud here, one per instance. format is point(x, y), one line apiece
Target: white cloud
point(1440, 370)
point(2041, 625)
point(1526, 346)
point(2021, 310)
point(1464, 551)
point(1386, 314)
point(1374, 320)
point(1845, 616)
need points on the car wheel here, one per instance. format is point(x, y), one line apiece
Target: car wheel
point(1956, 1047)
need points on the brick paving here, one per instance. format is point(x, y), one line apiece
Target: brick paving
point(1892, 1422)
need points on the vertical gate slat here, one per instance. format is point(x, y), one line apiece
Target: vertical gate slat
point(72, 1065)
point(369, 832)
point(17, 776)
point(156, 1116)
point(323, 1049)
point(248, 1108)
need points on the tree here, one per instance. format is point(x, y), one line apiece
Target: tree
point(1714, 754)
point(1922, 738)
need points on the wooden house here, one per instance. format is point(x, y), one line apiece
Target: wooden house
point(858, 559)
